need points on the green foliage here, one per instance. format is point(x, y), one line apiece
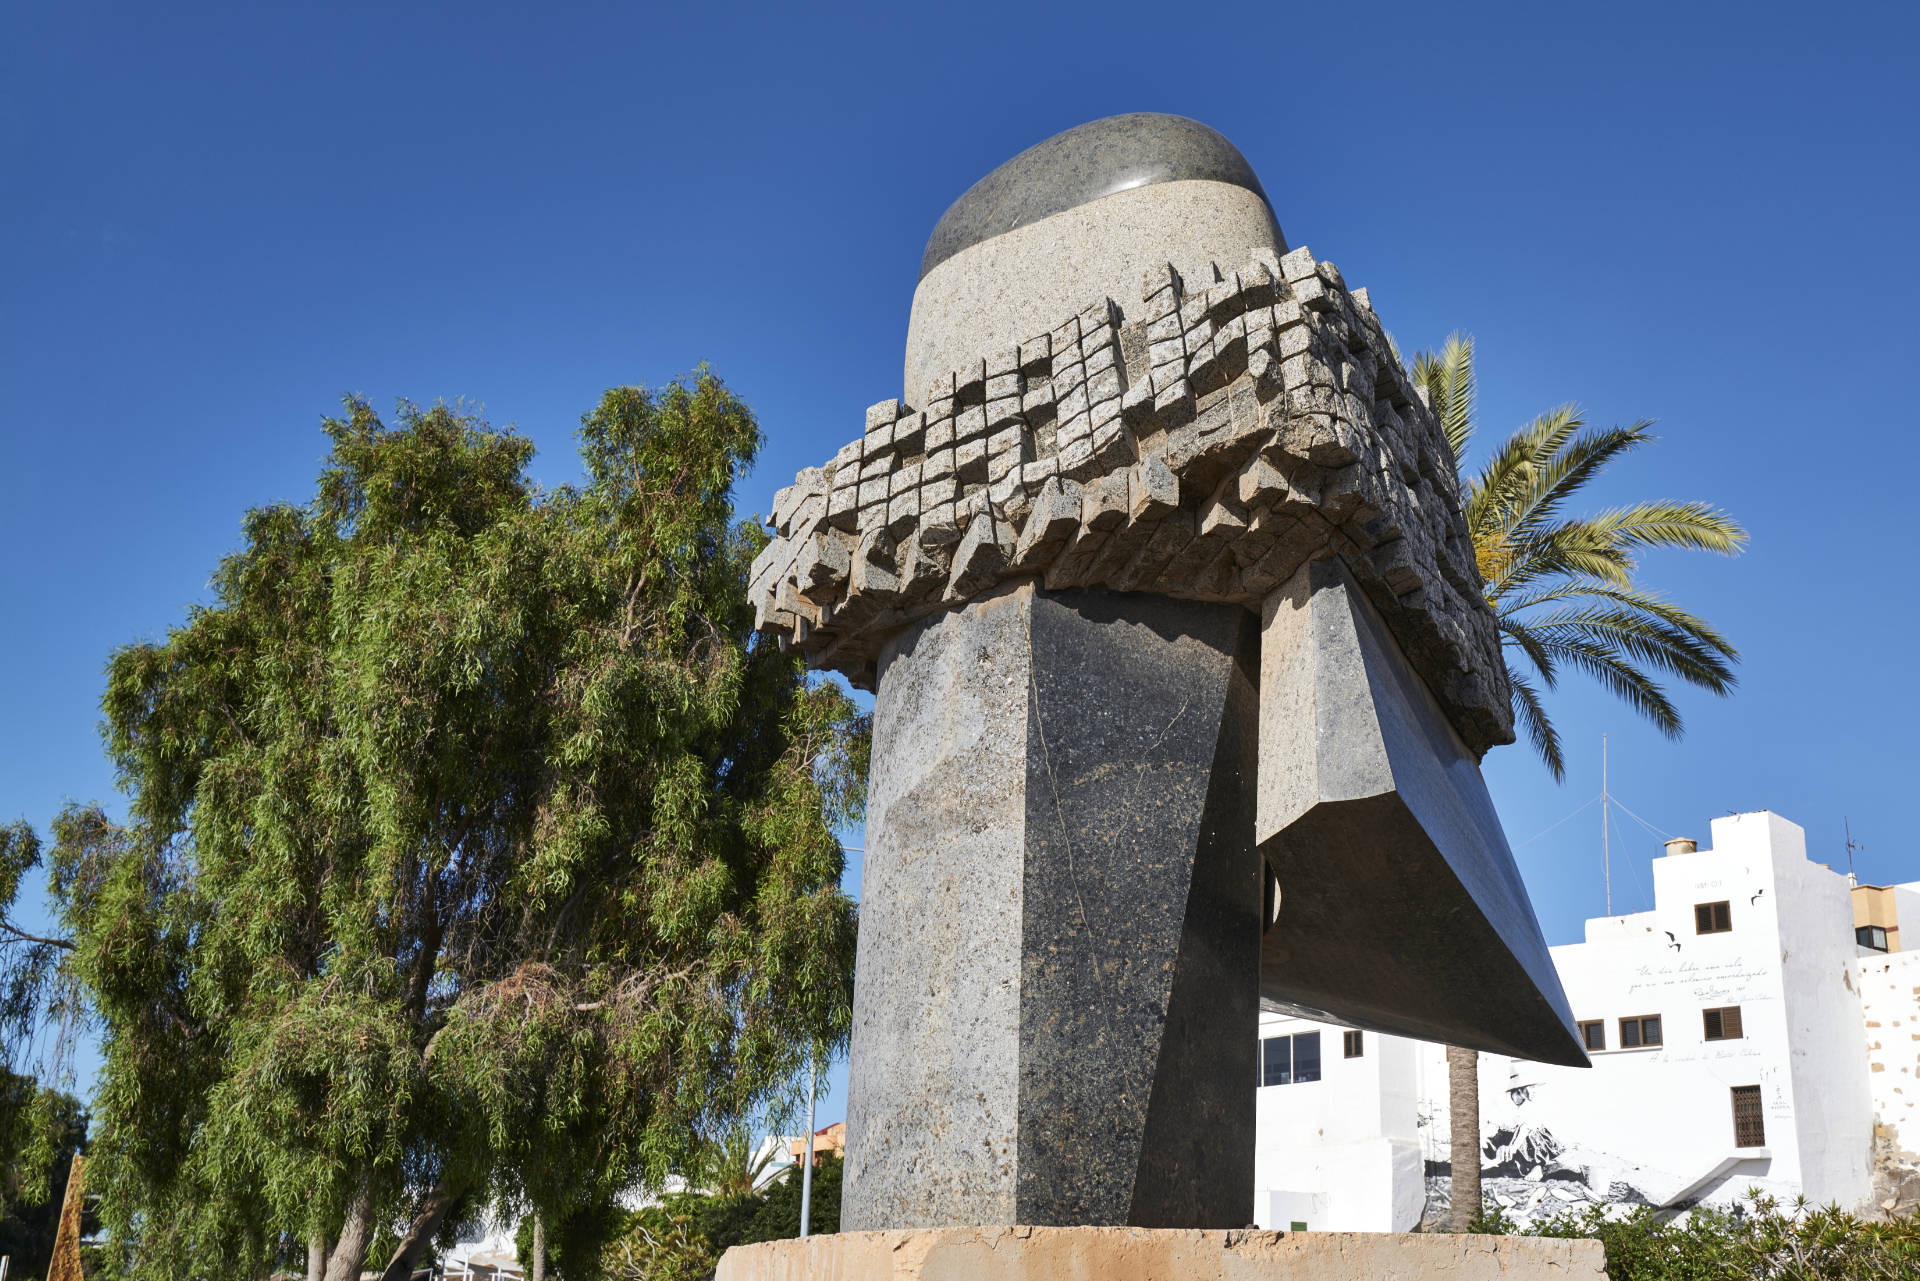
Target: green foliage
point(476, 851)
point(40, 1130)
point(683, 1237)
point(1712, 1244)
point(728, 1166)
point(1562, 587)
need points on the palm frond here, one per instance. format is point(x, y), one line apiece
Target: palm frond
point(1669, 523)
point(1562, 589)
point(1521, 637)
point(1575, 461)
point(1647, 638)
point(1448, 380)
point(1505, 486)
point(1620, 678)
point(1560, 551)
point(1531, 713)
point(1634, 598)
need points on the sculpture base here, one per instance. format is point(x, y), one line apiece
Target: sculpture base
point(1161, 1254)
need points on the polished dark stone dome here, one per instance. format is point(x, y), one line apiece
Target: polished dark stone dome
point(1081, 165)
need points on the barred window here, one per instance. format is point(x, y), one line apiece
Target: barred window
point(1593, 1034)
point(1749, 1126)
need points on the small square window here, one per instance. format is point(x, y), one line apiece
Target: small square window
point(1873, 936)
point(1593, 1034)
point(1722, 1024)
point(1306, 1057)
point(1712, 918)
point(1351, 1045)
point(1290, 1060)
point(1749, 1126)
point(1640, 1031)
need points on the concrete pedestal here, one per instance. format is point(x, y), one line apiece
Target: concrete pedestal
point(1165, 1254)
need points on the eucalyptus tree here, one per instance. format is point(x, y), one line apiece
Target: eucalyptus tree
point(1564, 592)
point(475, 851)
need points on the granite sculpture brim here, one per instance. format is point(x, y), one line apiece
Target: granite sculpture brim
point(1120, 563)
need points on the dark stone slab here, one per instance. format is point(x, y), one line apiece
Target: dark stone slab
point(1081, 165)
point(1055, 1011)
point(1140, 921)
point(1401, 908)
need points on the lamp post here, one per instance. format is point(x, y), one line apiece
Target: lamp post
point(806, 1171)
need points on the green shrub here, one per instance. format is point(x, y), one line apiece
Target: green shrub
point(1712, 1244)
point(683, 1236)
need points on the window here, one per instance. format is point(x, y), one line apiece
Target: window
point(1749, 1127)
point(1351, 1045)
point(1594, 1034)
point(1297, 1225)
point(1712, 918)
point(1641, 1031)
point(1722, 1024)
point(1873, 936)
point(1290, 1060)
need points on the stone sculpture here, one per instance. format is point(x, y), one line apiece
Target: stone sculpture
point(1182, 676)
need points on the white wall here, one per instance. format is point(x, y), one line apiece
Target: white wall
point(1340, 1154)
point(1651, 1125)
point(1832, 1103)
point(1890, 1001)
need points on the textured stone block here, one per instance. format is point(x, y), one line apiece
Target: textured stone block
point(1055, 1014)
point(1377, 826)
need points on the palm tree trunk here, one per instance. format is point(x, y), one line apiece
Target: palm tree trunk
point(1463, 1105)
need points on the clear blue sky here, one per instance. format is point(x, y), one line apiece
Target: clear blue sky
point(216, 222)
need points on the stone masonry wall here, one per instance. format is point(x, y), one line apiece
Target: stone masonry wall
point(1889, 997)
point(1204, 446)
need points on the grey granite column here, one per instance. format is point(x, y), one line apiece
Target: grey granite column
point(1061, 938)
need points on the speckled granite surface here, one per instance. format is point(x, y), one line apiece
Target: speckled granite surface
point(1056, 1012)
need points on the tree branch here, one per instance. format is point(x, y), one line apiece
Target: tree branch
point(17, 932)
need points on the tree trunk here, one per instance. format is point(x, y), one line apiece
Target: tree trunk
point(350, 1250)
point(65, 1265)
point(316, 1255)
point(537, 1265)
point(433, 1212)
point(1463, 1105)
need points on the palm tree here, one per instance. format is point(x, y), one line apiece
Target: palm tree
point(730, 1164)
point(1562, 589)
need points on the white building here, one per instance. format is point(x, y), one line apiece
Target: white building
point(1759, 1028)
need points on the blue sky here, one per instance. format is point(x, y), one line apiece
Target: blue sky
point(219, 221)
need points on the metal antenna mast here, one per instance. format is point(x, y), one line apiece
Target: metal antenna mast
point(1852, 845)
point(1606, 847)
